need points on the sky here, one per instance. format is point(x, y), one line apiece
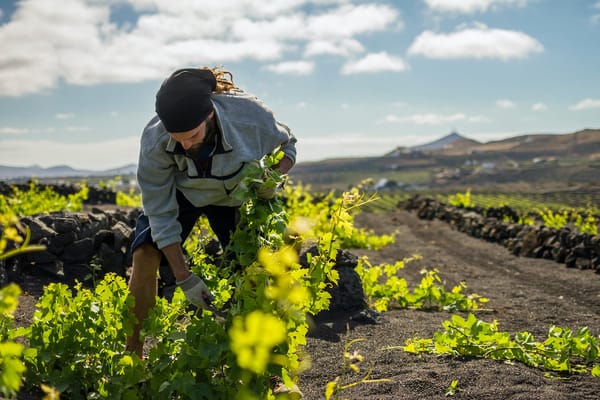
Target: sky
point(351, 78)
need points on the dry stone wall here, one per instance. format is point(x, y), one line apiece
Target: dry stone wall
point(80, 246)
point(575, 250)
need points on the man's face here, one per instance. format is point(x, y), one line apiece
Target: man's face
point(192, 139)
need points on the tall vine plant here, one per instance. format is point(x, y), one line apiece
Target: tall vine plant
point(257, 330)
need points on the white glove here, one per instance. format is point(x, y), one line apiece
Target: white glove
point(195, 291)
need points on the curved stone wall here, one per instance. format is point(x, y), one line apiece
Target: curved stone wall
point(80, 246)
point(575, 250)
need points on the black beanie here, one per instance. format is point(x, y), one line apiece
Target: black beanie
point(183, 100)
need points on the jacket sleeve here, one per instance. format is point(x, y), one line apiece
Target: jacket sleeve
point(279, 134)
point(251, 128)
point(288, 146)
point(156, 178)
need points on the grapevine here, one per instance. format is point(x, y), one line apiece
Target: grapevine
point(75, 344)
point(563, 351)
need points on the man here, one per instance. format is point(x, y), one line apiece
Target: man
point(191, 157)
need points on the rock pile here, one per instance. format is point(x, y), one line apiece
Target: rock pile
point(348, 295)
point(80, 246)
point(575, 250)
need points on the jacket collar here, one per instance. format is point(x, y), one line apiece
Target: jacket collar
point(226, 146)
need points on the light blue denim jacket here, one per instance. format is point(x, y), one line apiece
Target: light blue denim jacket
point(249, 132)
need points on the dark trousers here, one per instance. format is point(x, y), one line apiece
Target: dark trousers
point(222, 220)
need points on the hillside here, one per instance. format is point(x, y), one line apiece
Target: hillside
point(60, 171)
point(453, 140)
point(535, 161)
point(585, 143)
point(527, 162)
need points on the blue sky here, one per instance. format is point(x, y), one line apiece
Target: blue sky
point(350, 78)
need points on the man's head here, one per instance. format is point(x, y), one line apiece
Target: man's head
point(183, 100)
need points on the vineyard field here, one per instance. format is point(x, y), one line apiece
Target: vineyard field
point(524, 295)
point(437, 297)
point(522, 202)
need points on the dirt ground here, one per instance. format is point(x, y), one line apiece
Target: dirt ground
point(525, 295)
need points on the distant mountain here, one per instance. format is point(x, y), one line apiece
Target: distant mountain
point(526, 161)
point(60, 171)
point(453, 141)
point(585, 143)
point(130, 169)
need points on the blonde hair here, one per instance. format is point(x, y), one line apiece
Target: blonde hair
point(224, 79)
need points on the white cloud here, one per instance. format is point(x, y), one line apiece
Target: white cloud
point(292, 67)
point(375, 62)
point(596, 17)
point(505, 103)
point(476, 42)
point(435, 119)
point(350, 20)
point(342, 22)
point(76, 40)
point(344, 47)
point(64, 115)
point(539, 107)
point(286, 26)
point(95, 156)
point(9, 130)
point(471, 6)
point(478, 118)
point(586, 104)
point(76, 128)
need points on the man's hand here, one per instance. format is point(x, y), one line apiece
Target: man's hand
point(272, 180)
point(195, 291)
point(266, 192)
point(285, 165)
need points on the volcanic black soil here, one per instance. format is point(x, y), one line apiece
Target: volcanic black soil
point(525, 294)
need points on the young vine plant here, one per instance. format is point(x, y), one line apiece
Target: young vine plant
point(563, 351)
point(384, 288)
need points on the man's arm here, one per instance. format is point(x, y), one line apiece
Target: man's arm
point(193, 287)
point(176, 260)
